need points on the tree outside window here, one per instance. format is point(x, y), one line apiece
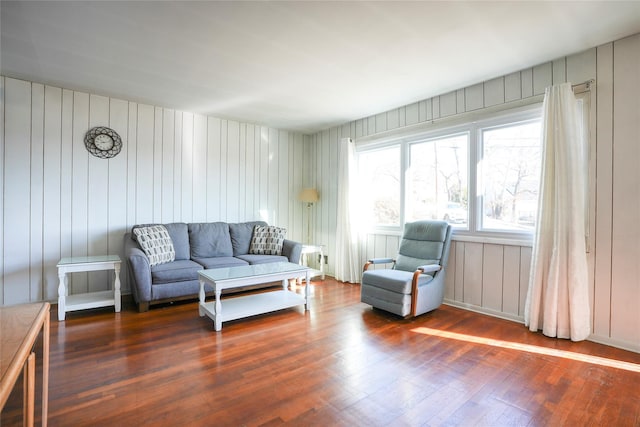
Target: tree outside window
point(509, 174)
point(437, 184)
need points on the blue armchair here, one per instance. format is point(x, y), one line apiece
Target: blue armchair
point(415, 283)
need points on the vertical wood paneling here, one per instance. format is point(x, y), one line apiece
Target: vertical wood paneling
point(132, 156)
point(97, 197)
point(380, 122)
point(604, 188)
point(494, 92)
point(393, 119)
point(145, 164)
point(157, 164)
point(2, 178)
point(581, 67)
point(474, 97)
point(412, 115)
point(542, 78)
point(448, 106)
point(199, 200)
point(263, 180)
point(79, 189)
point(52, 197)
point(66, 174)
point(559, 71)
point(450, 280)
point(459, 271)
point(526, 81)
point(168, 166)
point(187, 167)
point(272, 174)
point(233, 172)
point(282, 208)
point(37, 193)
point(492, 273)
point(117, 192)
point(213, 169)
point(525, 269)
point(625, 260)
point(512, 87)
point(473, 273)
point(17, 157)
point(69, 203)
point(511, 280)
point(460, 101)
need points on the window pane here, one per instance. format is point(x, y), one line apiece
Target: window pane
point(379, 172)
point(437, 180)
point(510, 175)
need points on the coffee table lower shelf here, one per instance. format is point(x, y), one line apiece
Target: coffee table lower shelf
point(251, 305)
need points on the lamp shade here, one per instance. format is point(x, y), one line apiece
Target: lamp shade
point(308, 195)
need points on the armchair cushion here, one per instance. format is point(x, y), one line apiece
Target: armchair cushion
point(393, 280)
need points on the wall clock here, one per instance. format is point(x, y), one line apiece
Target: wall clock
point(103, 142)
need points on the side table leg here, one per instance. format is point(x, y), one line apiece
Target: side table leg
point(62, 292)
point(202, 299)
point(116, 288)
point(218, 319)
point(306, 291)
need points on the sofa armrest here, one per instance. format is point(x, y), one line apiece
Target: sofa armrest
point(292, 250)
point(139, 270)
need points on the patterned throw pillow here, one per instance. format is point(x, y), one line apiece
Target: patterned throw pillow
point(156, 243)
point(267, 240)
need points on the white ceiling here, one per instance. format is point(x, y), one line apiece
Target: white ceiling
point(301, 66)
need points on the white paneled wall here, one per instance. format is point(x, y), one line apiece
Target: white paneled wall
point(493, 278)
point(60, 201)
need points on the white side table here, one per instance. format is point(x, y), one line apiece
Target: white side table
point(68, 302)
point(304, 258)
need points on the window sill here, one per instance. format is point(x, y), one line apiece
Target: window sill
point(494, 240)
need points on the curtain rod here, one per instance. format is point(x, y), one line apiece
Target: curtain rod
point(583, 87)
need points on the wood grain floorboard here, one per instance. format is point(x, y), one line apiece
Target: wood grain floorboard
point(339, 364)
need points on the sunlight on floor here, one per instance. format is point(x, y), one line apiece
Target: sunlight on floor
point(603, 361)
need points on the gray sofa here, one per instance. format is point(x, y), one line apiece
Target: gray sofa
point(197, 246)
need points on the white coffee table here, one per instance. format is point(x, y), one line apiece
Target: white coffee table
point(257, 303)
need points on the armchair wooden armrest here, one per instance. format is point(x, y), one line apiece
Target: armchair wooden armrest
point(377, 261)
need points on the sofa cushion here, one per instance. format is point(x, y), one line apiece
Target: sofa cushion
point(220, 262)
point(177, 271)
point(267, 240)
point(156, 244)
point(263, 259)
point(179, 236)
point(241, 235)
point(210, 239)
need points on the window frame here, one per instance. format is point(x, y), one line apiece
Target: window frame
point(437, 131)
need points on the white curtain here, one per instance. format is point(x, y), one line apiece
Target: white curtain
point(347, 268)
point(558, 296)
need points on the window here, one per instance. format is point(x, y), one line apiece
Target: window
point(437, 184)
point(509, 176)
point(482, 177)
point(379, 172)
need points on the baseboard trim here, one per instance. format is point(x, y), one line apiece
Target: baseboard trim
point(623, 345)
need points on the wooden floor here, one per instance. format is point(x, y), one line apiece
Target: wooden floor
point(340, 364)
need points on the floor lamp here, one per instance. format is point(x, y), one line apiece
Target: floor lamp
point(309, 196)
